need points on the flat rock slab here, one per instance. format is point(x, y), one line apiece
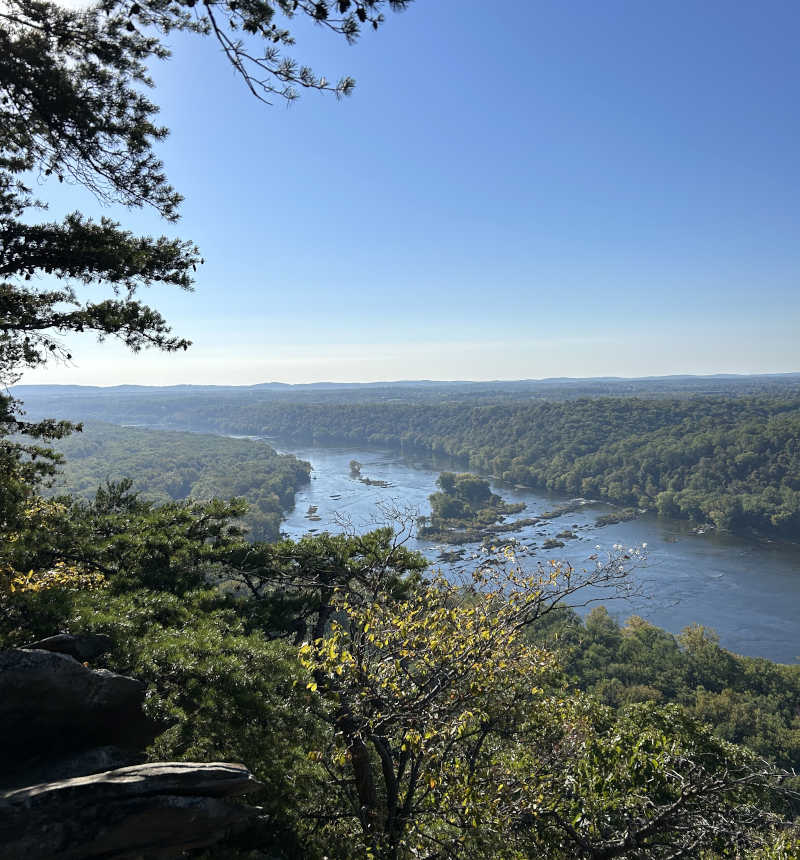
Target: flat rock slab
point(156, 810)
point(210, 779)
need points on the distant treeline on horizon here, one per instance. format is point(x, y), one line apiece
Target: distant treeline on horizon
point(558, 386)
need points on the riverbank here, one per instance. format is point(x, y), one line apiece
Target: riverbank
point(746, 589)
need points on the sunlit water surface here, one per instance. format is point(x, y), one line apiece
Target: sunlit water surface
point(748, 591)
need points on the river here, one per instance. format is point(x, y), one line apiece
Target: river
point(746, 590)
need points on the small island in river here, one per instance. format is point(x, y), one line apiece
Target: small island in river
point(355, 472)
point(465, 510)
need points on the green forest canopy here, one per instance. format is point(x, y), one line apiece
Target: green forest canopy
point(167, 465)
point(733, 461)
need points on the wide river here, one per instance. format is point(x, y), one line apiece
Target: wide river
point(748, 591)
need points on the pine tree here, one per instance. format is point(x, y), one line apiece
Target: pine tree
point(74, 106)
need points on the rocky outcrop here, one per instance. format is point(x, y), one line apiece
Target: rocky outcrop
point(86, 646)
point(38, 768)
point(150, 810)
point(72, 784)
point(52, 707)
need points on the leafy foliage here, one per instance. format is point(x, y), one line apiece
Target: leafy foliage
point(35, 597)
point(290, 585)
point(452, 736)
point(424, 717)
point(747, 700)
point(128, 542)
point(224, 693)
point(169, 466)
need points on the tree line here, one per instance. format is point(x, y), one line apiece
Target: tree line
point(733, 462)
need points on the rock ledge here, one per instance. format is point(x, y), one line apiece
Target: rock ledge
point(153, 810)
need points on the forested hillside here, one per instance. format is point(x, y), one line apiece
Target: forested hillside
point(747, 700)
point(732, 461)
point(169, 465)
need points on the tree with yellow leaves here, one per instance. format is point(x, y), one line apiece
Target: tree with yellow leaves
point(26, 589)
point(452, 735)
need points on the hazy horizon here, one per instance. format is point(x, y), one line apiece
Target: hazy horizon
point(419, 381)
point(691, 353)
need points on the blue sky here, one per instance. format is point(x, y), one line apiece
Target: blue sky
point(518, 189)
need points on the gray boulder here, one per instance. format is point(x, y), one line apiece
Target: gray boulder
point(83, 646)
point(52, 707)
point(150, 810)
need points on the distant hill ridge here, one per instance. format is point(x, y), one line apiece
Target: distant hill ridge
point(499, 384)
